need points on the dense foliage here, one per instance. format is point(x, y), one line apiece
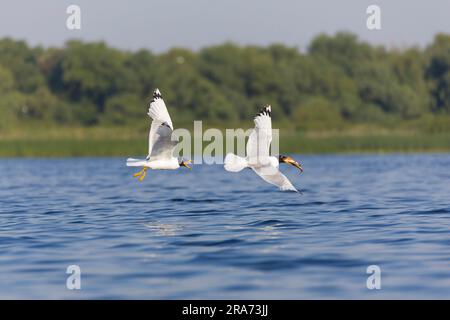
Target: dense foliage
point(340, 80)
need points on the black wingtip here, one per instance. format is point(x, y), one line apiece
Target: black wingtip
point(265, 111)
point(157, 94)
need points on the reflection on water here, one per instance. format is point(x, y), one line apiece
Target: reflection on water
point(163, 229)
point(207, 233)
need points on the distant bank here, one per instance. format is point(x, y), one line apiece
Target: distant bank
point(114, 142)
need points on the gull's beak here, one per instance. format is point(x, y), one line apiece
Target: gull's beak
point(295, 164)
point(185, 164)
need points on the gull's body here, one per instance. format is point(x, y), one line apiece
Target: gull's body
point(258, 154)
point(160, 144)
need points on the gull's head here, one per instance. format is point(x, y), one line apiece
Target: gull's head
point(289, 160)
point(185, 163)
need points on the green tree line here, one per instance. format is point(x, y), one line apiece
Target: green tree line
point(338, 81)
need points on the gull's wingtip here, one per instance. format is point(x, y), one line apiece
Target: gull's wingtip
point(299, 192)
point(157, 94)
point(265, 111)
point(291, 189)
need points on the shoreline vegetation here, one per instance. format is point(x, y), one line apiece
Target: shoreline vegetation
point(104, 142)
point(341, 95)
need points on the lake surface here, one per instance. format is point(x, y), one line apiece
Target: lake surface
point(207, 233)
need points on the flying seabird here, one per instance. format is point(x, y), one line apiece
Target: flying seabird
point(258, 157)
point(160, 144)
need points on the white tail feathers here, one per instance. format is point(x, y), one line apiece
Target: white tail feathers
point(234, 163)
point(136, 162)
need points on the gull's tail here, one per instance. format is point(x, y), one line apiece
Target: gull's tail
point(136, 162)
point(234, 163)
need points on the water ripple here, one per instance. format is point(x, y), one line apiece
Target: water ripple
point(178, 235)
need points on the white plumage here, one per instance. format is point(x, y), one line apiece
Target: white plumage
point(258, 154)
point(160, 144)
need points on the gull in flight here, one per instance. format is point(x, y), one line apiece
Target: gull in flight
point(160, 144)
point(258, 157)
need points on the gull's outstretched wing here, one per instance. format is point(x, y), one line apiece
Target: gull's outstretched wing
point(160, 145)
point(258, 144)
point(274, 176)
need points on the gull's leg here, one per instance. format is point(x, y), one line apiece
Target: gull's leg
point(137, 174)
point(140, 173)
point(143, 174)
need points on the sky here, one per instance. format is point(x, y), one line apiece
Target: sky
point(193, 24)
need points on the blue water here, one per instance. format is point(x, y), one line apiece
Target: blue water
point(211, 234)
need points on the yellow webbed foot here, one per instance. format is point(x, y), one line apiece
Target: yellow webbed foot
point(141, 174)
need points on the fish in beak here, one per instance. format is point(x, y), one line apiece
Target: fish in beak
point(297, 165)
point(289, 160)
point(185, 163)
